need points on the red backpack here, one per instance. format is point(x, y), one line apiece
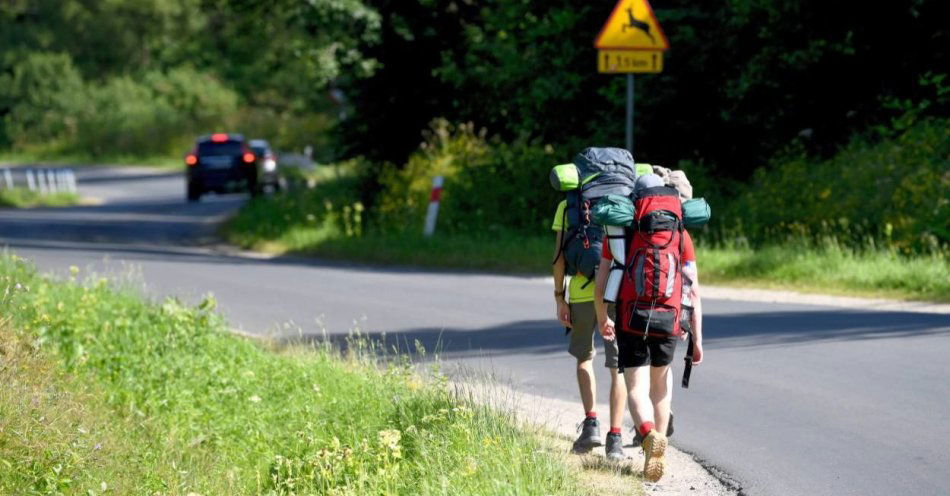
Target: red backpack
point(651, 290)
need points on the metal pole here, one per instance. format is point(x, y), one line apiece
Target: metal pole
point(630, 112)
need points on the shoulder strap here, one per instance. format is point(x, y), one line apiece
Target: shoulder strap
point(688, 369)
point(560, 249)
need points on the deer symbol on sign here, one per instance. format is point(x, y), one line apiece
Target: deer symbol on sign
point(637, 24)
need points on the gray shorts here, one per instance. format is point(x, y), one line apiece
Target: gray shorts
point(584, 326)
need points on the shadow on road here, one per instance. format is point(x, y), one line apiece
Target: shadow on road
point(722, 331)
point(127, 178)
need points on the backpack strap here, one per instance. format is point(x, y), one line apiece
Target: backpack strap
point(688, 369)
point(564, 238)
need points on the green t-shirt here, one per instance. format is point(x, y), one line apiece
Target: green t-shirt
point(576, 291)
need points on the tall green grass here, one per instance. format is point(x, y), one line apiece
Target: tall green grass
point(881, 273)
point(106, 393)
point(326, 222)
point(24, 198)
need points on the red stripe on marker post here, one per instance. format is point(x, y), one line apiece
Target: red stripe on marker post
point(433, 212)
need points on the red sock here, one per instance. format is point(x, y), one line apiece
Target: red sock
point(646, 427)
point(591, 414)
point(615, 430)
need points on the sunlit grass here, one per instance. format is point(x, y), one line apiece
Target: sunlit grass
point(104, 391)
point(55, 157)
point(24, 198)
point(858, 272)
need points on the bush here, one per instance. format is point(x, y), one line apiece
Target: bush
point(892, 194)
point(201, 102)
point(160, 114)
point(49, 107)
point(489, 185)
point(124, 115)
point(41, 99)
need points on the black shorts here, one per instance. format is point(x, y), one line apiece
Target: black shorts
point(634, 351)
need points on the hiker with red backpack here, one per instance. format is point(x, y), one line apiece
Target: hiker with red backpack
point(657, 302)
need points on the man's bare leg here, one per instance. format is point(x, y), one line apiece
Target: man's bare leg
point(617, 397)
point(587, 384)
point(661, 395)
point(638, 393)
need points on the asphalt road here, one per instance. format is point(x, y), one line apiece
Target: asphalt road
point(792, 399)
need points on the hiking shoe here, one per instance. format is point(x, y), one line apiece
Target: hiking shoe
point(614, 448)
point(589, 438)
point(654, 450)
point(638, 438)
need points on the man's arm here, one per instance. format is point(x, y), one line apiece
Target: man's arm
point(600, 306)
point(563, 311)
point(696, 322)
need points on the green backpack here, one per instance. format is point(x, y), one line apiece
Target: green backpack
point(595, 173)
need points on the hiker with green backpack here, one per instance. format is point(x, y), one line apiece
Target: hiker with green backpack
point(595, 173)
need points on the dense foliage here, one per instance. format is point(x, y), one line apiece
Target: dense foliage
point(143, 77)
point(889, 193)
point(743, 77)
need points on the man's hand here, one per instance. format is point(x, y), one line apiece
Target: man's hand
point(563, 312)
point(697, 352)
point(607, 329)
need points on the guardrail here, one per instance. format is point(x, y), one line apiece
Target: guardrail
point(43, 181)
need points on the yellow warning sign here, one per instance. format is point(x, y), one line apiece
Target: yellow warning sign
point(632, 26)
point(625, 61)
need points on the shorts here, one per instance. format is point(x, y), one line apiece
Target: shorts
point(634, 351)
point(583, 327)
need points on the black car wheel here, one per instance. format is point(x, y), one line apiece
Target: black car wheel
point(194, 192)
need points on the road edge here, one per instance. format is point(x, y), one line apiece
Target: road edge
point(686, 474)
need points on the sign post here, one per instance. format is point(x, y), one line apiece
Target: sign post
point(630, 113)
point(631, 42)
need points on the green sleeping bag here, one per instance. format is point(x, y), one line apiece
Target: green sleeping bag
point(696, 213)
point(613, 210)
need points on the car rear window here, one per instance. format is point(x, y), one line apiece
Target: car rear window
point(259, 151)
point(225, 148)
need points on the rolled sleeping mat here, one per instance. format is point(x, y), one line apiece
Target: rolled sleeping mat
point(565, 177)
point(696, 213)
point(613, 210)
point(619, 251)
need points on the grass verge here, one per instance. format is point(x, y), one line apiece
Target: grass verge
point(81, 160)
point(882, 273)
point(324, 222)
point(24, 198)
point(106, 393)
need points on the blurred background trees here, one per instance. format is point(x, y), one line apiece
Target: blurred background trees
point(748, 85)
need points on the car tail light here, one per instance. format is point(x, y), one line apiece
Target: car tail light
point(191, 159)
point(248, 157)
point(219, 137)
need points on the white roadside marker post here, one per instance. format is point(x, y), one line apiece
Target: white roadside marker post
point(51, 181)
point(30, 180)
point(433, 212)
point(71, 181)
point(41, 181)
point(8, 178)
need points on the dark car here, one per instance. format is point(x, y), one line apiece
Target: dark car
point(221, 163)
point(267, 175)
